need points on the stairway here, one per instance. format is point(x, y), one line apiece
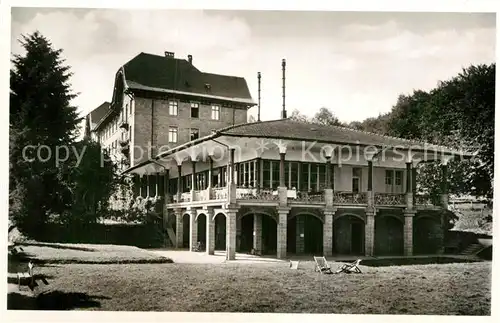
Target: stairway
point(472, 249)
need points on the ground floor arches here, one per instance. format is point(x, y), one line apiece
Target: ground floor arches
point(305, 235)
point(220, 231)
point(185, 230)
point(427, 235)
point(349, 235)
point(389, 235)
point(201, 223)
point(257, 232)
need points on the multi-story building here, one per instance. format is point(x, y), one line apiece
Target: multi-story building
point(278, 186)
point(160, 102)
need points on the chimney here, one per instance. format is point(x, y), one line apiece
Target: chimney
point(283, 112)
point(258, 106)
point(169, 54)
point(190, 59)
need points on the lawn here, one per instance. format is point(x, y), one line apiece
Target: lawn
point(449, 289)
point(86, 253)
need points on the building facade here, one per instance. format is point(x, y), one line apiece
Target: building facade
point(160, 102)
point(285, 187)
point(275, 187)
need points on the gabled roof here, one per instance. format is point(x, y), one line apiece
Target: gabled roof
point(288, 129)
point(98, 114)
point(161, 73)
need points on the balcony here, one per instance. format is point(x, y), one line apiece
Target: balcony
point(308, 197)
point(390, 199)
point(350, 198)
point(252, 195)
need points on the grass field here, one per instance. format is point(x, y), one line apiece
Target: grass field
point(86, 253)
point(450, 289)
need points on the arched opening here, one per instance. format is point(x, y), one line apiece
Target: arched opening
point(389, 240)
point(202, 230)
point(349, 235)
point(220, 231)
point(185, 230)
point(305, 235)
point(269, 235)
point(246, 239)
point(427, 235)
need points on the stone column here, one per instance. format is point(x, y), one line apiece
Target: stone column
point(299, 236)
point(257, 233)
point(257, 173)
point(193, 180)
point(328, 233)
point(282, 233)
point(231, 234)
point(210, 175)
point(178, 228)
point(179, 183)
point(370, 176)
point(408, 232)
point(328, 172)
point(210, 232)
point(369, 232)
point(193, 230)
point(282, 169)
point(409, 186)
point(231, 180)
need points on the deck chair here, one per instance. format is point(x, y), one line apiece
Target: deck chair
point(322, 265)
point(26, 275)
point(294, 265)
point(350, 268)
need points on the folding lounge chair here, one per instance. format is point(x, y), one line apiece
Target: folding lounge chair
point(28, 275)
point(322, 265)
point(350, 268)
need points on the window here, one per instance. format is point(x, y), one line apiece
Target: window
point(275, 174)
point(266, 173)
point(399, 178)
point(195, 110)
point(172, 134)
point(304, 177)
point(173, 107)
point(393, 181)
point(194, 134)
point(215, 112)
point(356, 180)
point(126, 111)
point(388, 177)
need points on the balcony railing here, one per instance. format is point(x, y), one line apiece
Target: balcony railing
point(349, 198)
point(339, 198)
point(308, 197)
point(220, 193)
point(201, 195)
point(254, 194)
point(390, 199)
point(425, 200)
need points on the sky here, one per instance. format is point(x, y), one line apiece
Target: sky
point(354, 63)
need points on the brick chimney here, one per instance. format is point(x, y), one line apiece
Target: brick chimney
point(169, 54)
point(190, 59)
